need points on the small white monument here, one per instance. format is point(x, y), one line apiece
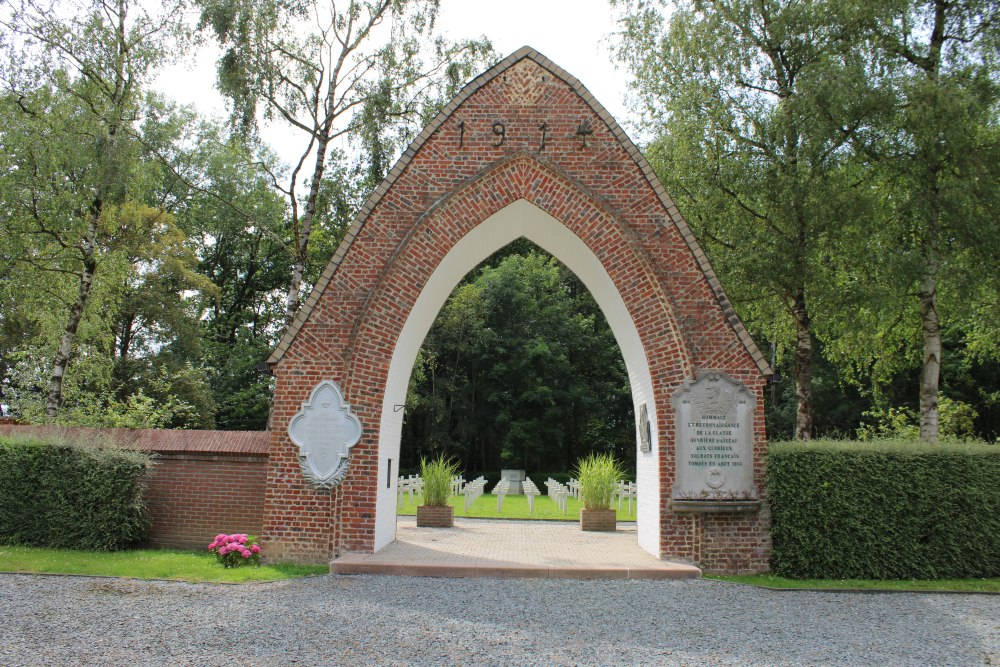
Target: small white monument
point(515, 477)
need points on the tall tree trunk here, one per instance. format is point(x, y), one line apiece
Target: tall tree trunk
point(302, 228)
point(88, 248)
point(294, 290)
point(803, 369)
point(930, 371)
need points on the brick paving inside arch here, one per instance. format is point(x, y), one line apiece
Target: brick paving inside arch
point(497, 548)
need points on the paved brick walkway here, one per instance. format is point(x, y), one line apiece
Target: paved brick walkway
point(495, 548)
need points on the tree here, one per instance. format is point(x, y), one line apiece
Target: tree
point(345, 76)
point(519, 369)
point(74, 78)
point(236, 222)
point(939, 156)
point(753, 105)
point(138, 302)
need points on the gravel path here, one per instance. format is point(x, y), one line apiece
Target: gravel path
point(422, 621)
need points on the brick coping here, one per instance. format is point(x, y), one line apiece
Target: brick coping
point(253, 443)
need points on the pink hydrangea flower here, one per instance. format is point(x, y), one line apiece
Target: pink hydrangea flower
point(255, 549)
point(220, 537)
point(242, 539)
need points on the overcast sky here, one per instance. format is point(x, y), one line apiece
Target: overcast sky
point(575, 34)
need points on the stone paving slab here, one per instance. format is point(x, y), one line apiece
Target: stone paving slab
point(506, 549)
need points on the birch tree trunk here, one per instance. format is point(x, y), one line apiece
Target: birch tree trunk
point(88, 249)
point(930, 371)
point(803, 370)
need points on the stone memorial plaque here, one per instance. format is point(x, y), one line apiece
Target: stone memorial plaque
point(325, 429)
point(714, 439)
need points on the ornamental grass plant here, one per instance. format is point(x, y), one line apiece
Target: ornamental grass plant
point(599, 475)
point(437, 475)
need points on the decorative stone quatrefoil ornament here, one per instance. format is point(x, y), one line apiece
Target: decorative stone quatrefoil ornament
point(325, 429)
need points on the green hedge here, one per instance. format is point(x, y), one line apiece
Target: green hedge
point(886, 510)
point(65, 495)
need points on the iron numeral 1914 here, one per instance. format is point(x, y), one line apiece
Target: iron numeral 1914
point(584, 130)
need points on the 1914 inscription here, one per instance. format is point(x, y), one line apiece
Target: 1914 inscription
point(714, 422)
point(500, 133)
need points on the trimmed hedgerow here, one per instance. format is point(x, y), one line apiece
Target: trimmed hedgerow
point(885, 510)
point(67, 495)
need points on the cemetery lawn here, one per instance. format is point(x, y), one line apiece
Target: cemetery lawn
point(772, 581)
point(144, 564)
point(514, 507)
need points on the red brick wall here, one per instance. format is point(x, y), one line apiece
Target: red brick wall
point(202, 482)
point(193, 497)
point(441, 190)
point(733, 543)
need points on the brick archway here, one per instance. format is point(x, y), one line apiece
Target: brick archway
point(524, 150)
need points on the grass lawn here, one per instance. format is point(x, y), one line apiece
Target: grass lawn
point(772, 581)
point(514, 507)
point(144, 564)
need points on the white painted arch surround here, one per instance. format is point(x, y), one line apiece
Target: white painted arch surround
point(521, 218)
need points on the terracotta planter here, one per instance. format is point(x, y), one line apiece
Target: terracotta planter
point(435, 516)
point(598, 519)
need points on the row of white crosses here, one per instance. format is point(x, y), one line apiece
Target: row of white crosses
point(530, 490)
point(473, 490)
point(559, 493)
point(413, 484)
point(626, 490)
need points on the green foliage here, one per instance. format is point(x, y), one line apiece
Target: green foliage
point(437, 474)
point(599, 475)
point(54, 493)
point(751, 108)
point(957, 418)
point(888, 510)
point(839, 164)
point(97, 394)
point(520, 369)
point(957, 422)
